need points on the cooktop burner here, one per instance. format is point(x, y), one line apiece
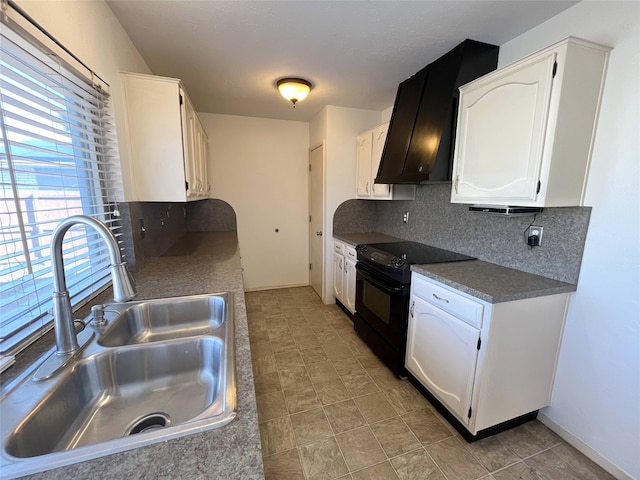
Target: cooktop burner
point(394, 259)
point(414, 252)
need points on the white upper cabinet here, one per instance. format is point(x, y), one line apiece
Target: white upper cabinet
point(370, 147)
point(363, 181)
point(168, 147)
point(525, 132)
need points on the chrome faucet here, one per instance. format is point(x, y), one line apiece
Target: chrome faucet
point(123, 288)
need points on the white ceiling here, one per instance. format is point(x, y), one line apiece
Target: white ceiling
point(230, 53)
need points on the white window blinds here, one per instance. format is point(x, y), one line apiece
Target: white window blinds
point(55, 157)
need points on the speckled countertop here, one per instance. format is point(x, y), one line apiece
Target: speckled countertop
point(233, 451)
point(368, 237)
point(487, 281)
point(492, 283)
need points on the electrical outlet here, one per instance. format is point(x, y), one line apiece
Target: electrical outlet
point(405, 217)
point(142, 229)
point(533, 232)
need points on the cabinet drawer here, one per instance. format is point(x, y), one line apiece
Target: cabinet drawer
point(461, 307)
point(350, 252)
point(338, 247)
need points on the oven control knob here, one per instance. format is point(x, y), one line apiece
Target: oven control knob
point(396, 262)
point(362, 248)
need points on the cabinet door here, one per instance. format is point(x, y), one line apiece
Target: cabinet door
point(363, 187)
point(155, 128)
point(441, 354)
point(190, 146)
point(379, 190)
point(349, 285)
point(204, 163)
point(501, 130)
point(338, 273)
point(199, 160)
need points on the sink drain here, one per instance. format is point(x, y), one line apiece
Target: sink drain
point(153, 421)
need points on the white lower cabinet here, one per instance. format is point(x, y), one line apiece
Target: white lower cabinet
point(344, 275)
point(349, 284)
point(338, 274)
point(442, 354)
point(486, 363)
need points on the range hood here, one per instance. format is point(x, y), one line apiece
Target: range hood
point(419, 145)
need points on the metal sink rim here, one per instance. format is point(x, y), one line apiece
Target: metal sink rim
point(115, 314)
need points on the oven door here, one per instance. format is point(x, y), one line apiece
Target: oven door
point(383, 304)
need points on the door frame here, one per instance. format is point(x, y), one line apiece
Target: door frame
point(322, 219)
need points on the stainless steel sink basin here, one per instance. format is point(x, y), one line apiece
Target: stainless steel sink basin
point(158, 320)
point(114, 398)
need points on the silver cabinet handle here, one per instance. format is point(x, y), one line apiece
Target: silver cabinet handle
point(411, 309)
point(441, 299)
point(366, 188)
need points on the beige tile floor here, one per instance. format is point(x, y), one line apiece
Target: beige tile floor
point(329, 409)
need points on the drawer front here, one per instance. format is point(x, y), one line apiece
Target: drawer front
point(350, 252)
point(338, 247)
point(457, 305)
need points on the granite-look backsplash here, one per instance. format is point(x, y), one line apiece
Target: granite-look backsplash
point(434, 220)
point(166, 224)
point(211, 215)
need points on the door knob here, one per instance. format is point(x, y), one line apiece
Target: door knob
point(319, 234)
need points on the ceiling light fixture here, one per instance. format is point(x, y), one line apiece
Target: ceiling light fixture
point(294, 89)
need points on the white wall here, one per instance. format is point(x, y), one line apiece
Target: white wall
point(260, 167)
point(90, 30)
point(386, 114)
point(596, 396)
point(339, 127)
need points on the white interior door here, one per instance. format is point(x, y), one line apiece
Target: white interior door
point(316, 219)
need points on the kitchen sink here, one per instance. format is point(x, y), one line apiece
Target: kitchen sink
point(158, 383)
point(158, 320)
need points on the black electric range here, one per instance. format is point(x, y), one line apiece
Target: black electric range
point(383, 283)
point(394, 259)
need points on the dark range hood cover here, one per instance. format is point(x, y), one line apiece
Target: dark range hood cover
point(420, 140)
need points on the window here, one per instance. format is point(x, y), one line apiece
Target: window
point(55, 162)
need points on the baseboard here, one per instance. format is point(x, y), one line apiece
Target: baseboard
point(585, 449)
point(276, 287)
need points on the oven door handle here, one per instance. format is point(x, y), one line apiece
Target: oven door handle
point(377, 283)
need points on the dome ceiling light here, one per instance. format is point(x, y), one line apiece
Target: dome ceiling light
point(294, 89)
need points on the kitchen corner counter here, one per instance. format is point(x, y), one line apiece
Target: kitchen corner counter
point(212, 264)
point(492, 283)
point(367, 237)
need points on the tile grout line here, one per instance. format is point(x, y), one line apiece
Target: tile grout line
point(522, 459)
point(304, 365)
point(328, 321)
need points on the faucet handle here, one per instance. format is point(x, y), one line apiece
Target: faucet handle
point(97, 312)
